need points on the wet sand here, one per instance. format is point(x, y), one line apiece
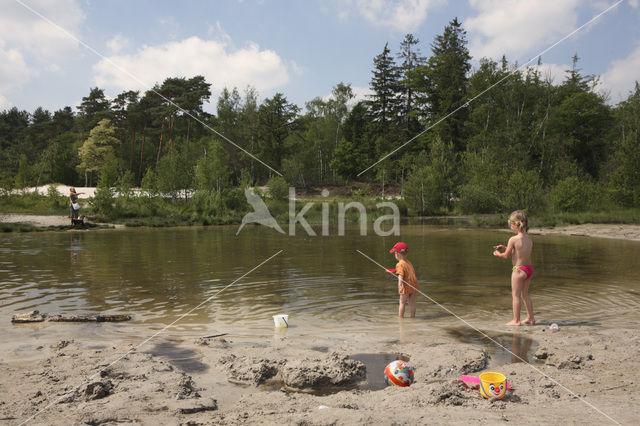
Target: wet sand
point(579, 374)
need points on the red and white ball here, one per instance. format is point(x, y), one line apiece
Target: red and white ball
point(398, 373)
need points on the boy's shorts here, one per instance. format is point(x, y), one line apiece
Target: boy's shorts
point(406, 289)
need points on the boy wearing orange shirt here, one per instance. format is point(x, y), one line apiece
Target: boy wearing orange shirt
point(407, 281)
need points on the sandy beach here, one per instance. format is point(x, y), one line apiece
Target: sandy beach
point(581, 374)
point(617, 231)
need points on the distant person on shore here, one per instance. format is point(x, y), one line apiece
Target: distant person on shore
point(519, 249)
point(407, 281)
point(74, 206)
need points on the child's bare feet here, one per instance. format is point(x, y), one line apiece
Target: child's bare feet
point(529, 321)
point(514, 323)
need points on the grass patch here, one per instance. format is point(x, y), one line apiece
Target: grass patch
point(34, 203)
point(19, 227)
point(27, 227)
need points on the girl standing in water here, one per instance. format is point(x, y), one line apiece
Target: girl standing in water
point(519, 249)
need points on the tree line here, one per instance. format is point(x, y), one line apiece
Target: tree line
point(528, 142)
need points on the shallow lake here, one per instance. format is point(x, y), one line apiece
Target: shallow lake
point(324, 284)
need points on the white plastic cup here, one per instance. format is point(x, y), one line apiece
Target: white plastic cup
point(554, 327)
point(281, 320)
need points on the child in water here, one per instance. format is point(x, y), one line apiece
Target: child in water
point(519, 249)
point(407, 281)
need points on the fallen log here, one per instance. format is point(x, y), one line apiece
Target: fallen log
point(36, 316)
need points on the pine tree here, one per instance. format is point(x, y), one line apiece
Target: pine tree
point(384, 105)
point(411, 58)
point(444, 81)
point(98, 149)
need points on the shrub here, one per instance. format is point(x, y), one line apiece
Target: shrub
point(571, 194)
point(278, 188)
point(56, 200)
point(425, 191)
point(523, 191)
point(475, 198)
point(103, 200)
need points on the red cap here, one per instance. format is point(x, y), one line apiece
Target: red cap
point(400, 248)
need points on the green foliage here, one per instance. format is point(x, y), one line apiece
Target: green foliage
point(56, 200)
point(212, 173)
point(278, 188)
point(430, 186)
point(347, 161)
point(175, 174)
point(103, 201)
point(483, 188)
point(149, 184)
point(34, 203)
point(24, 177)
point(385, 106)
point(125, 184)
point(624, 185)
point(98, 150)
point(523, 191)
point(571, 194)
point(441, 85)
point(475, 197)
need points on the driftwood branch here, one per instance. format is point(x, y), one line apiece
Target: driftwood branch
point(214, 335)
point(36, 316)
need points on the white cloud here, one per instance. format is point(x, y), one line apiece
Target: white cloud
point(27, 39)
point(263, 69)
point(23, 29)
point(620, 77)
point(4, 103)
point(400, 15)
point(518, 29)
point(14, 73)
point(361, 94)
point(118, 43)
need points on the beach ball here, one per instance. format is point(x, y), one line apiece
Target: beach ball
point(398, 373)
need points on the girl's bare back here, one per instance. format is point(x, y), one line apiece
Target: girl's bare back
point(522, 247)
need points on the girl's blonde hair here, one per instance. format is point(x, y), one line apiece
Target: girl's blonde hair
point(519, 218)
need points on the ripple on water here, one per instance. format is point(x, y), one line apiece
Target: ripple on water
point(323, 284)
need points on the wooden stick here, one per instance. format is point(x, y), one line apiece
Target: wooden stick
point(36, 316)
point(214, 335)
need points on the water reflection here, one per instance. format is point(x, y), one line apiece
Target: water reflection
point(512, 347)
point(182, 358)
point(158, 274)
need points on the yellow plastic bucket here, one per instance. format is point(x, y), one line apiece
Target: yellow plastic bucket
point(493, 385)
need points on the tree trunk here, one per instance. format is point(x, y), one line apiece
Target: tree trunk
point(171, 133)
point(188, 129)
point(160, 145)
point(141, 154)
point(133, 140)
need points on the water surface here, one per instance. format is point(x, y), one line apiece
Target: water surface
point(325, 286)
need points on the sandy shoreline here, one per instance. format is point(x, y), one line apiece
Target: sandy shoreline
point(230, 380)
point(616, 231)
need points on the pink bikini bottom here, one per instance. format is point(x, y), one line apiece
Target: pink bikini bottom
point(527, 269)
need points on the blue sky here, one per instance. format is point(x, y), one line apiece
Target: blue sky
point(299, 48)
